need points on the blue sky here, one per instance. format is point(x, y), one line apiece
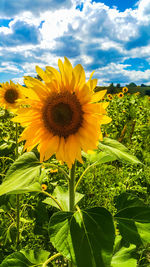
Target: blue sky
point(111, 37)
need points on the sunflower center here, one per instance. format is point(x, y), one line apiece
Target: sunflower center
point(11, 95)
point(62, 114)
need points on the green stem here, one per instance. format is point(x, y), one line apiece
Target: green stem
point(53, 198)
point(18, 217)
point(72, 194)
point(16, 139)
point(17, 196)
point(86, 170)
point(51, 259)
point(72, 188)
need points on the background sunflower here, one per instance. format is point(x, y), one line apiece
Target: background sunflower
point(120, 95)
point(124, 89)
point(10, 93)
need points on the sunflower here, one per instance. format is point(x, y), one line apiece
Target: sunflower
point(10, 93)
point(44, 187)
point(64, 116)
point(124, 89)
point(53, 170)
point(109, 96)
point(120, 95)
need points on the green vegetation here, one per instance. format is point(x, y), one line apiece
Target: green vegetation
point(116, 185)
point(132, 88)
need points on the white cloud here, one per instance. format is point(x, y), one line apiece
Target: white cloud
point(98, 37)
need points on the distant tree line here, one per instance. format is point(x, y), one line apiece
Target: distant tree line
point(132, 88)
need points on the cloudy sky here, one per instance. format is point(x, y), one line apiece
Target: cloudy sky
point(111, 37)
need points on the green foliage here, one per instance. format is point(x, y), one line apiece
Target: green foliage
point(133, 219)
point(119, 151)
point(23, 175)
point(26, 258)
point(84, 237)
point(62, 195)
point(124, 255)
point(116, 174)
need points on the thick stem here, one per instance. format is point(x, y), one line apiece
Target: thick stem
point(72, 194)
point(16, 139)
point(17, 196)
point(51, 259)
point(72, 188)
point(18, 217)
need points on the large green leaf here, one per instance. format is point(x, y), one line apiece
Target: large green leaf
point(134, 224)
point(61, 193)
point(85, 237)
point(23, 175)
point(26, 259)
point(99, 156)
point(124, 256)
point(36, 256)
point(126, 200)
point(114, 148)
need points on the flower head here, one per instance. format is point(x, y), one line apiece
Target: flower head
point(124, 89)
point(44, 187)
point(53, 170)
point(64, 116)
point(109, 96)
point(10, 93)
point(120, 95)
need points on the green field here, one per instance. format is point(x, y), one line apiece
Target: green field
point(101, 187)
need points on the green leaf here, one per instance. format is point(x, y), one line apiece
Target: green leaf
point(23, 175)
point(125, 256)
point(1, 211)
point(114, 148)
point(36, 256)
point(61, 193)
point(6, 148)
point(84, 237)
point(134, 224)
point(16, 259)
point(26, 258)
point(126, 200)
point(99, 156)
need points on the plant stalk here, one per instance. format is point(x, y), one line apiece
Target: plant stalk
point(72, 194)
point(72, 188)
point(17, 196)
point(51, 259)
point(18, 218)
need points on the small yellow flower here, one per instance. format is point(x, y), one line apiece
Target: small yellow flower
point(44, 187)
point(124, 111)
point(120, 95)
point(137, 93)
point(109, 96)
point(10, 93)
point(53, 170)
point(124, 89)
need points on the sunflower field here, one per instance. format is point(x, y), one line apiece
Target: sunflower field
point(74, 173)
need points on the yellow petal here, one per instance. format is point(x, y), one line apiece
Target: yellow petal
point(104, 119)
point(92, 84)
point(98, 96)
point(79, 75)
point(54, 74)
point(91, 75)
point(42, 74)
